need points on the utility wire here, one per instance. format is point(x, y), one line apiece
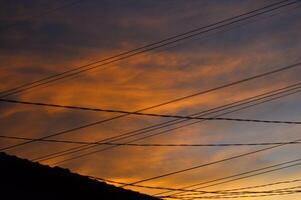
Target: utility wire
point(173, 122)
point(258, 186)
point(147, 145)
point(284, 192)
point(196, 192)
point(224, 178)
point(43, 158)
point(209, 163)
point(206, 192)
point(146, 48)
point(221, 193)
point(152, 135)
point(76, 129)
point(205, 36)
point(278, 70)
point(148, 114)
point(235, 177)
point(144, 130)
point(242, 196)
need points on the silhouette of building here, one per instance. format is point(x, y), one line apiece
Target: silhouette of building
point(23, 179)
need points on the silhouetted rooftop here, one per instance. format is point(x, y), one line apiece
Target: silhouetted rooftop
point(23, 179)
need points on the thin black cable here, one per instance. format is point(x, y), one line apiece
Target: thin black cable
point(183, 189)
point(166, 124)
point(148, 145)
point(206, 192)
point(177, 44)
point(148, 114)
point(145, 130)
point(133, 133)
point(209, 163)
point(222, 193)
point(134, 53)
point(43, 158)
point(233, 178)
point(209, 192)
point(242, 196)
point(284, 192)
point(140, 48)
point(260, 186)
point(162, 104)
point(67, 150)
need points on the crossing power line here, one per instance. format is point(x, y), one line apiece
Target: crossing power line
point(242, 189)
point(210, 163)
point(247, 101)
point(149, 114)
point(148, 145)
point(235, 177)
point(189, 118)
point(149, 47)
point(247, 104)
point(221, 193)
point(249, 187)
point(194, 192)
point(278, 70)
point(261, 171)
point(289, 192)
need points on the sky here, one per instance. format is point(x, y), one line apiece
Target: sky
point(36, 43)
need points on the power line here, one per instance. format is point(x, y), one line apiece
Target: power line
point(147, 145)
point(183, 189)
point(170, 47)
point(222, 193)
point(136, 132)
point(173, 122)
point(61, 153)
point(88, 125)
point(242, 196)
point(265, 185)
point(208, 192)
point(43, 158)
point(152, 44)
point(248, 172)
point(212, 192)
point(146, 48)
point(236, 177)
point(278, 70)
point(148, 114)
point(230, 196)
point(209, 163)
point(206, 119)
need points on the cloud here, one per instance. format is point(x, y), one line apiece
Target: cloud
point(37, 48)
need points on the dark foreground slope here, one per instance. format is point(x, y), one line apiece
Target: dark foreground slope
point(22, 179)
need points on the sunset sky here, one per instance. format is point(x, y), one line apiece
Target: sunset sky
point(36, 43)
